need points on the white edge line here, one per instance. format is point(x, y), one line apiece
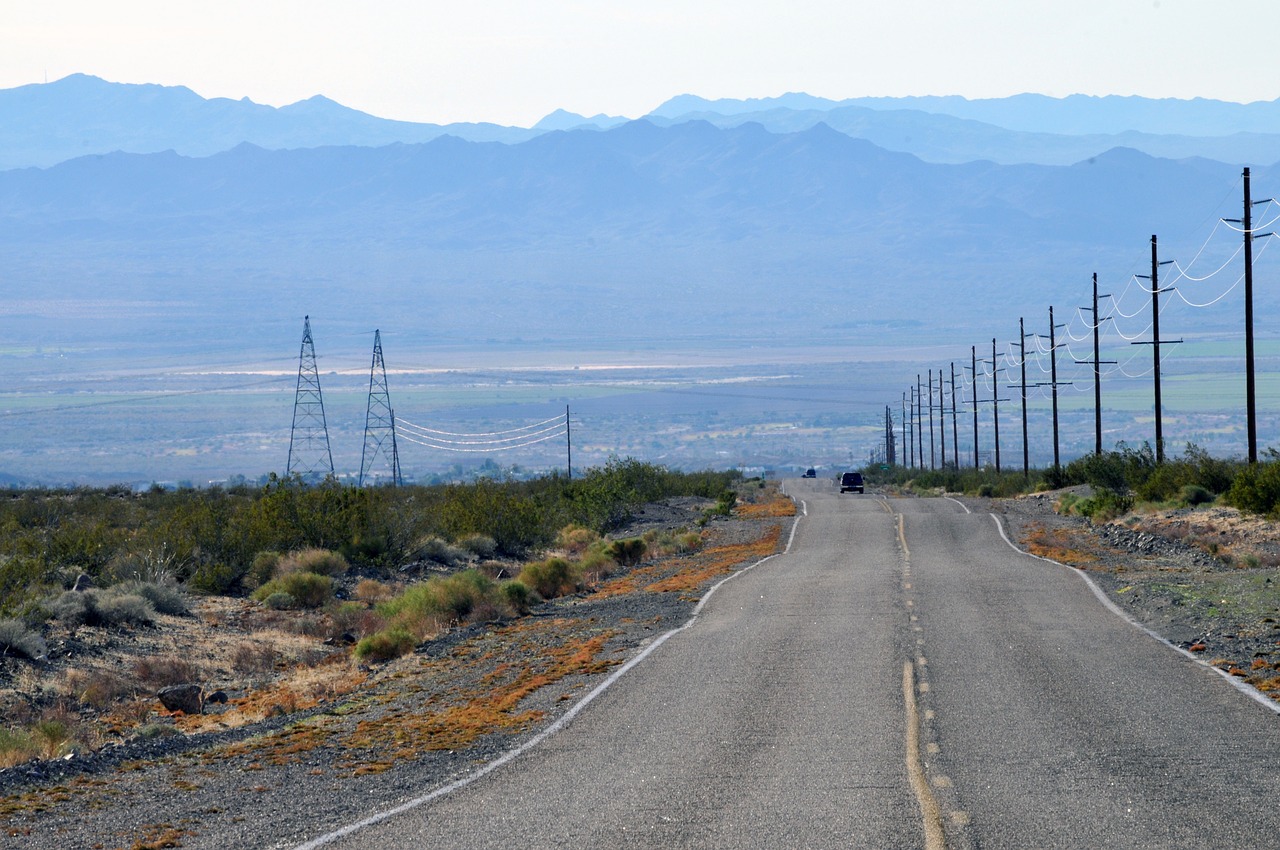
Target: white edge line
point(1243, 687)
point(966, 508)
point(555, 727)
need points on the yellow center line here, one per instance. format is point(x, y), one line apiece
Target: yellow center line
point(934, 837)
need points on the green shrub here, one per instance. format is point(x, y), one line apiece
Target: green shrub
point(214, 578)
point(19, 641)
point(517, 596)
point(439, 602)
point(279, 601)
point(263, 568)
point(386, 645)
point(550, 578)
point(117, 609)
point(1256, 488)
point(574, 538)
point(1104, 506)
point(1195, 494)
point(307, 589)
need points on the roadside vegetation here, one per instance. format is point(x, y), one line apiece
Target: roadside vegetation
point(1120, 481)
point(316, 582)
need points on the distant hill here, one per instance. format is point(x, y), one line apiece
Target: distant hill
point(636, 235)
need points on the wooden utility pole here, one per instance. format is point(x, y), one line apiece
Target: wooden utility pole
point(1250, 401)
point(932, 458)
point(920, 427)
point(568, 441)
point(973, 356)
point(1053, 379)
point(995, 402)
point(1022, 351)
point(1097, 368)
point(942, 421)
point(955, 431)
point(1155, 345)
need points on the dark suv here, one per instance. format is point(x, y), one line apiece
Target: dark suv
point(851, 481)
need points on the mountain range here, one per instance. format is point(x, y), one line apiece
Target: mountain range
point(43, 124)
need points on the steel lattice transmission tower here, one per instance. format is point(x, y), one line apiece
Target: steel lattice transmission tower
point(379, 420)
point(309, 455)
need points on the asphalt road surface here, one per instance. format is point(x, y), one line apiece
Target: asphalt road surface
point(901, 678)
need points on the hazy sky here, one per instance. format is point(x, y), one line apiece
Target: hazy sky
point(513, 61)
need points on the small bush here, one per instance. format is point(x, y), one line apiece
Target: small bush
point(164, 598)
point(627, 552)
point(162, 671)
point(370, 590)
point(596, 566)
point(550, 578)
point(16, 747)
point(319, 561)
point(386, 645)
point(52, 737)
point(157, 730)
point(101, 608)
point(575, 539)
point(308, 589)
point(214, 578)
point(263, 569)
point(18, 641)
point(480, 545)
point(1194, 494)
point(517, 596)
point(438, 550)
point(279, 601)
point(249, 658)
point(98, 688)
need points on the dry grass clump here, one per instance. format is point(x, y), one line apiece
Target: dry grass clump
point(371, 591)
point(97, 689)
point(17, 640)
point(161, 671)
point(312, 560)
point(1057, 545)
point(438, 549)
point(104, 608)
point(480, 545)
point(574, 539)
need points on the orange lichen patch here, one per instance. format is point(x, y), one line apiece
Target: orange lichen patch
point(157, 836)
point(688, 571)
point(1058, 545)
point(717, 561)
point(491, 707)
point(1270, 686)
point(779, 506)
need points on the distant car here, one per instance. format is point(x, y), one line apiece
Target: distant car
point(810, 473)
point(852, 481)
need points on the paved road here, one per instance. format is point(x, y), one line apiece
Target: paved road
point(902, 678)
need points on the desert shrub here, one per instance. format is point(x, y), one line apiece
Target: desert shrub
point(16, 747)
point(575, 539)
point(439, 602)
point(480, 545)
point(312, 560)
point(371, 590)
point(386, 645)
point(307, 589)
point(1104, 506)
point(517, 596)
point(279, 601)
point(1195, 494)
point(17, 640)
point(164, 670)
point(595, 566)
point(157, 564)
point(215, 578)
point(1066, 504)
point(1256, 488)
point(165, 598)
point(157, 730)
point(550, 578)
point(438, 550)
point(95, 607)
point(627, 552)
point(986, 490)
point(354, 618)
point(263, 568)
